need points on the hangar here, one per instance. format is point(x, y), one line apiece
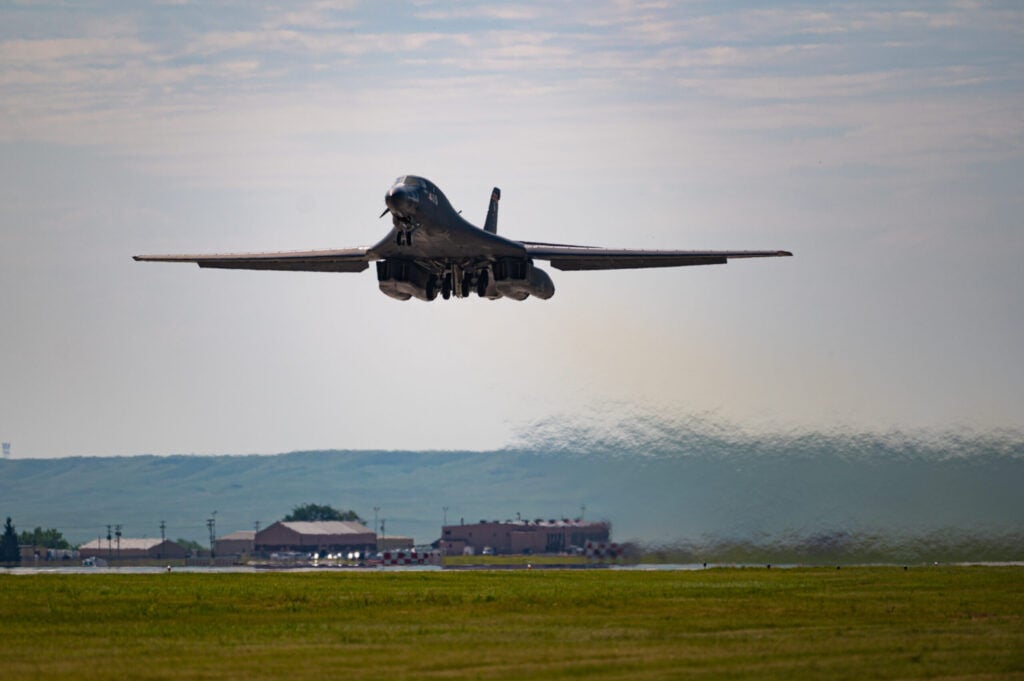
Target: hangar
point(131, 548)
point(331, 536)
point(239, 543)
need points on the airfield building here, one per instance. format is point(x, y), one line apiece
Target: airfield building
point(241, 543)
point(131, 549)
point(333, 536)
point(395, 543)
point(522, 536)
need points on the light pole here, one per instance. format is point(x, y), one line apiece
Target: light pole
point(376, 544)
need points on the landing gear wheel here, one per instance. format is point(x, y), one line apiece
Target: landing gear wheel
point(446, 286)
point(481, 284)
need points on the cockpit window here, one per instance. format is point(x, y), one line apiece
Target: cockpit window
point(410, 181)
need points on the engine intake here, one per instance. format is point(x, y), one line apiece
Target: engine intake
point(404, 279)
point(518, 279)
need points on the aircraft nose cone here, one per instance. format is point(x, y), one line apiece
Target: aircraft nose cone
point(402, 200)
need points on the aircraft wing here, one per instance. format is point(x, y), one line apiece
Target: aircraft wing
point(340, 260)
point(565, 257)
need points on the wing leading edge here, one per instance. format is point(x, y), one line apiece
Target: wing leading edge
point(565, 257)
point(339, 260)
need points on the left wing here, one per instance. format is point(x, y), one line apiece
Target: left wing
point(340, 260)
point(565, 257)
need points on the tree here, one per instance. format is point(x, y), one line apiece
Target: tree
point(9, 552)
point(51, 538)
point(191, 547)
point(313, 512)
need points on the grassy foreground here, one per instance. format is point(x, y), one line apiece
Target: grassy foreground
point(854, 623)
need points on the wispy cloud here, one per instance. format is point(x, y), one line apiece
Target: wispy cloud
point(509, 12)
point(57, 51)
point(688, 66)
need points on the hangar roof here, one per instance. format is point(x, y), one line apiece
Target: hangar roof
point(241, 535)
point(125, 544)
point(327, 527)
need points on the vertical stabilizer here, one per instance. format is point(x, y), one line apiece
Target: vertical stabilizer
point(491, 225)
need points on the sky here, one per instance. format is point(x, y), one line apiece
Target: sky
point(881, 142)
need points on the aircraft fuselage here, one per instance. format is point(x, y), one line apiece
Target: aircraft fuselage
point(431, 249)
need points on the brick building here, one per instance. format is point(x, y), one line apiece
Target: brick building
point(522, 536)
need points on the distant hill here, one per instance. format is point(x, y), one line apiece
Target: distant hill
point(683, 486)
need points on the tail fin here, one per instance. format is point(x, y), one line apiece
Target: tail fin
point(491, 225)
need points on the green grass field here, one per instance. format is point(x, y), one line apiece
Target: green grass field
point(854, 623)
point(516, 560)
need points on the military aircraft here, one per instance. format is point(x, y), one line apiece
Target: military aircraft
point(432, 250)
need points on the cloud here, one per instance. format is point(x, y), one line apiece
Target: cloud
point(42, 53)
point(507, 12)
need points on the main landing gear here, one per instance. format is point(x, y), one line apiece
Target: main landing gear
point(463, 285)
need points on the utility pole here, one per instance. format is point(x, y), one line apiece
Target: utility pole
point(376, 509)
point(117, 533)
point(163, 537)
point(211, 525)
point(110, 547)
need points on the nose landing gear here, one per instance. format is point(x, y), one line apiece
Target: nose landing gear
point(403, 237)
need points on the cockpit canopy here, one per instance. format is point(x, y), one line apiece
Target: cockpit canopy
point(411, 181)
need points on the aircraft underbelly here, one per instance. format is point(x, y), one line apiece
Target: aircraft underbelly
point(447, 242)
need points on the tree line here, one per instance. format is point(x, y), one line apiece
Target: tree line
point(320, 512)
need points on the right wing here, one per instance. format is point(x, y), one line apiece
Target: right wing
point(340, 260)
point(565, 257)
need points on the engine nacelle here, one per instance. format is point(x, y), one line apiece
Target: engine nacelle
point(518, 279)
point(507, 278)
point(403, 279)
